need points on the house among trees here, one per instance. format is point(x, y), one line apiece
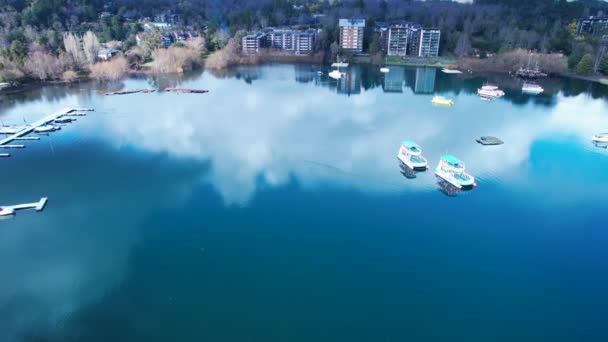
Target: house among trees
point(592, 24)
point(106, 54)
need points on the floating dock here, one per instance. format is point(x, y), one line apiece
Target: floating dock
point(132, 91)
point(187, 90)
point(11, 209)
point(24, 131)
point(29, 129)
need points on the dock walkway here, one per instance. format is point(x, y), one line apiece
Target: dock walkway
point(21, 135)
point(11, 209)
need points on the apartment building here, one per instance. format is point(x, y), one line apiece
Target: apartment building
point(351, 34)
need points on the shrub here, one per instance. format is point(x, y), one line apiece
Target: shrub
point(225, 57)
point(175, 60)
point(111, 70)
point(585, 66)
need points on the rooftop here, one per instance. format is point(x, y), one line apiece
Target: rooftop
point(451, 159)
point(352, 22)
point(409, 144)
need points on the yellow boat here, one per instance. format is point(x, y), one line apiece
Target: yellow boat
point(440, 100)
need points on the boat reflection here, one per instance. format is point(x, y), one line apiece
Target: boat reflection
point(447, 188)
point(406, 171)
point(600, 145)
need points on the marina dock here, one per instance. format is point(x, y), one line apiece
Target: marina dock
point(11, 209)
point(25, 130)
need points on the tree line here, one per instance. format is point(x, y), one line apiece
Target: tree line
point(30, 29)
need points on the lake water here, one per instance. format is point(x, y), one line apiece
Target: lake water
point(273, 209)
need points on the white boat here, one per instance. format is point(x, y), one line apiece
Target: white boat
point(384, 70)
point(10, 129)
point(410, 154)
point(532, 88)
point(339, 65)
point(7, 211)
point(440, 100)
point(336, 74)
point(63, 120)
point(46, 128)
point(490, 91)
point(451, 71)
point(600, 138)
point(452, 170)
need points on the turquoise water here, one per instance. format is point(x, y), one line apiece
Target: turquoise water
point(274, 209)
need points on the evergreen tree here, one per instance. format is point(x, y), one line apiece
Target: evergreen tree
point(585, 66)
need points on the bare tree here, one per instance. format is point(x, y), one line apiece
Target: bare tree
point(9, 70)
point(44, 66)
point(225, 57)
point(73, 49)
point(91, 46)
point(199, 44)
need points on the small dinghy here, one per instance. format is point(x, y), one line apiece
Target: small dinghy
point(487, 140)
point(442, 101)
point(46, 128)
point(63, 120)
point(336, 74)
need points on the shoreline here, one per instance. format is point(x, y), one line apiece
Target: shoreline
point(318, 59)
point(590, 78)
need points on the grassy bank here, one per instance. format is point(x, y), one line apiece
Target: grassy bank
point(591, 78)
point(438, 62)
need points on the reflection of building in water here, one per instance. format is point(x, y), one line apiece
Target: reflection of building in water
point(394, 79)
point(248, 74)
point(350, 83)
point(425, 80)
point(304, 73)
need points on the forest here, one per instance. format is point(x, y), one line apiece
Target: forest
point(38, 28)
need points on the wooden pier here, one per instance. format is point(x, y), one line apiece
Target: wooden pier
point(11, 209)
point(29, 129)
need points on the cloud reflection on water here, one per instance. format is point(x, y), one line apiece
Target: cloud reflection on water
point(277, 128)
point(259, 125)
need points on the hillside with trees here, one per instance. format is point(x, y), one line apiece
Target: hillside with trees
point(38, 38)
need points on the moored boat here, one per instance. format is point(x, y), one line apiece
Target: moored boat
point(384, 70)
point(452, 170)
point(64, 120)
point(600, 138)
point(410, 154)
point(532, 88)
point(489, 140)
point(451, 71)
point(46, 128)
point(336, 74)
point(490, 91)
point(440, 100)
point(10, 129)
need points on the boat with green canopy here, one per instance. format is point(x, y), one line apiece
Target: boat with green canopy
point(452, 170)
